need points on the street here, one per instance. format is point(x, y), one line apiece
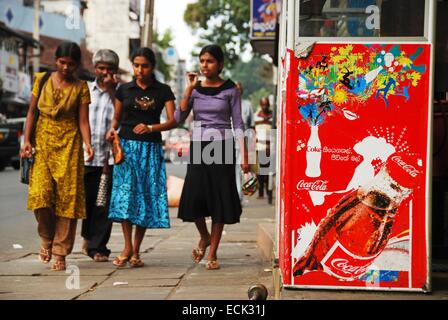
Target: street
point(17, 225)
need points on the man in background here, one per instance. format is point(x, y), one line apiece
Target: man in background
point(97, 227)
point(263, 126)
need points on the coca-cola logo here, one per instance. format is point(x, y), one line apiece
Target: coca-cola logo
point(318, 185)
point(344, 266)
point(411, 170)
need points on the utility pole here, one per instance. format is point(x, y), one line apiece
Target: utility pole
point(146, 37)
point(36, 36)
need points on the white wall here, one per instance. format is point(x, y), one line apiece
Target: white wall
point(59, 6)
point(108, 27)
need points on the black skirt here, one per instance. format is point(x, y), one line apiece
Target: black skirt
point(210, 184)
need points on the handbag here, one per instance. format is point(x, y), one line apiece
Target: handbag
point(117, 150)
point(101, 197)
point(249, 184)
point(25, 166)
point(26, 163)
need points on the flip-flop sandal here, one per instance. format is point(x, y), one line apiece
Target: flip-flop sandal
point(120, 261)
point(136, 262)
point(198, 253)
point(45, 255)
point(58, 265)
point(212, 265)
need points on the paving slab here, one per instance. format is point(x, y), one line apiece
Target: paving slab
point(158, 272)
point(44, 287)
point(125, 280)
point(127, 293)
point(222, 291)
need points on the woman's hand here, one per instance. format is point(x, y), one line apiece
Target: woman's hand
point(90, 152)
point(141, 128)
point(192, 78)
point(26, 151)
point(110, 134)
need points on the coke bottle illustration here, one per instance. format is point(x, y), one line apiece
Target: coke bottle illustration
point(356, 230)
point(313, 153)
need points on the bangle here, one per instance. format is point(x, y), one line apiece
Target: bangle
point(149, 127)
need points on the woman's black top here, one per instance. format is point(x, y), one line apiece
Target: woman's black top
point(142, 106)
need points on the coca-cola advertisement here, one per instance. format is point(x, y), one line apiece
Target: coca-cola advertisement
point(354, 167)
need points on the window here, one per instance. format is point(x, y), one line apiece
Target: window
point(362, 18)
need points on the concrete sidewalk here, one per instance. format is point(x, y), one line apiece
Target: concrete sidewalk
point(246, 254)
point(168, 274)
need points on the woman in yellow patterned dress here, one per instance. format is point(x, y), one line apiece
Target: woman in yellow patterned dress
point(56, 190)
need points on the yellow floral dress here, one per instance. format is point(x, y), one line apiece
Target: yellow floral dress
point(57, 175)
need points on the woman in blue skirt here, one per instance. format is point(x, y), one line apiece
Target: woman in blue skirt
point(139, 195)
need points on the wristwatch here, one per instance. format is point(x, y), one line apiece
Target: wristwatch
point(149, 127)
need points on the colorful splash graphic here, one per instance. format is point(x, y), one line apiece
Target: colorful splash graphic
point(348, 108)
point(343, 80)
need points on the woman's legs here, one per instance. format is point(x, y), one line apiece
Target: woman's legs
point(216, 234)
point(46, 222)
point(57, 236)
point(138, 238)
point(199, 251)
point(135, 260)
point(64, 239)
point(213, 239)
point(201, 225)
point(127, 233)
point(130, 251)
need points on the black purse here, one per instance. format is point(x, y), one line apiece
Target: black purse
point(26, 163)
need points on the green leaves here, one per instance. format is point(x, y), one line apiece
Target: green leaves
point(223, 22)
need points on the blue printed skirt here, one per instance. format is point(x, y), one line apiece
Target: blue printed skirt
point(139, 186)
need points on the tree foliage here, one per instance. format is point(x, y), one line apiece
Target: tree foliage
point(253, 75)
point(226, 23)
point(223, 22)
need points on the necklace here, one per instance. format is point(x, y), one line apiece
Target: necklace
point(58, 90)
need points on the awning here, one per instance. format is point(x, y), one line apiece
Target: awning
point(5, 31)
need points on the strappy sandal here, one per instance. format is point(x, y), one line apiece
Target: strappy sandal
point(45, 255)
point(58, 265)
point(212, 265)
point(120, 261)
point(136, 262)
point(198, 253)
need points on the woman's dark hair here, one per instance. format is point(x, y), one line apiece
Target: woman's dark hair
point(215, 51)
point(146, 53)
point(69, 49)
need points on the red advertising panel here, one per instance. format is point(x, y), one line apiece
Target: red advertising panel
point(354, 167)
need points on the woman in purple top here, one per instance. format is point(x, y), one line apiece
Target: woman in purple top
point(210, 186)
